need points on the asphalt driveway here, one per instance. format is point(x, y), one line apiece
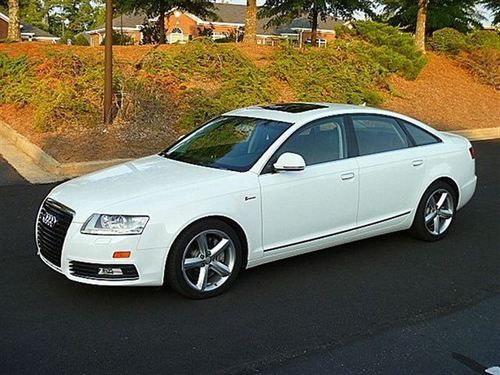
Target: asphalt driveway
point(390, 304)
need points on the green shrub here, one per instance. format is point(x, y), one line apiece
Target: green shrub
point(484, 63)
point(448, 40)
point(69, 91)
point(332, 74)
point(16, 79)
point(80, 40)
point(219, 77)
point(396, 51)
point(201, 57)
point(120, 39)
point(483, 39)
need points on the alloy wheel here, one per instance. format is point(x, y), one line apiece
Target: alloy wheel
point(438, 212)
point(208, 260)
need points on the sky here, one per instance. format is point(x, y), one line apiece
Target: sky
point(483, 11)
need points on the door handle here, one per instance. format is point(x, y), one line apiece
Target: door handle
point(417, 162)
point(347, 176)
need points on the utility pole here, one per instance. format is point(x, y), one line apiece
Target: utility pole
point(108, 65)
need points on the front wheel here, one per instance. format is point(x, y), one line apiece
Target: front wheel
point(435, 212)
point(204, 260)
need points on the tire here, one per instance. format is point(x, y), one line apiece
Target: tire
point(204, 260)
point(433, 218)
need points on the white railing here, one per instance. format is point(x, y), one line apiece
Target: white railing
point(177, 38)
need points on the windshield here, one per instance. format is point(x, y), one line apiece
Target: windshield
point(228, 142)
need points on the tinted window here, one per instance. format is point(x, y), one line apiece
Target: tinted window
point(378, 134)
point(228, 142)
point(319, 142)
point(420, 136)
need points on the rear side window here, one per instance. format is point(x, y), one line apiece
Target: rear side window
point(378, 134)
point(419, 135)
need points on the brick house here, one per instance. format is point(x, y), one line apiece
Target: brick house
point(29, 32)
point(181, 27)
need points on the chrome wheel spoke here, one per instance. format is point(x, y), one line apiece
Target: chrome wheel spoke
point(441, 200)
point(190, 263)
point(430, 217)
point(202, 278)
point(202, 242)
point(219, 247)
point(220, 268)
point(436, 224)
point(445, 213)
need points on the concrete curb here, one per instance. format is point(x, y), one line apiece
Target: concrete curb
point(47, 162)
point(479, 134)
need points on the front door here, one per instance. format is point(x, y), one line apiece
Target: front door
point(300, 207)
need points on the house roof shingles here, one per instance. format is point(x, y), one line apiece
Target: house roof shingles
point(27, 28)
point(38, 33)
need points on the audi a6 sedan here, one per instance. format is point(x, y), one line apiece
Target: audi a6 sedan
point(253, 186)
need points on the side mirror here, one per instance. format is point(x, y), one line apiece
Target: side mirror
point(289, 162)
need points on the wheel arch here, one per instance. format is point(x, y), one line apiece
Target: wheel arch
point(229, 221)
point(453, 184)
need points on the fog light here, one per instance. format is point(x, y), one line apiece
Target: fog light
point(121, 254)
point(110, 271)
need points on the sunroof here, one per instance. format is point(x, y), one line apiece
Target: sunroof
point(294, 107)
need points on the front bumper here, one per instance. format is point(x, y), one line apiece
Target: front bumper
point(94, 252)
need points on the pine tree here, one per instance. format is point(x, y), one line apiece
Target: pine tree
point(14, 31)
point(283, 11)
point(251, 23)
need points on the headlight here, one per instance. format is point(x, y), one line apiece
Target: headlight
point(114, 224)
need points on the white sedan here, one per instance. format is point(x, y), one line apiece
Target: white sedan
point(253, 186)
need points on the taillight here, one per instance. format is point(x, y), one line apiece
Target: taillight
point(472, 152)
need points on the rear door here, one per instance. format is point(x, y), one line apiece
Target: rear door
point(391, 171)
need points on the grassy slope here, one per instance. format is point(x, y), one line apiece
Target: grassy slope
point(444, 95)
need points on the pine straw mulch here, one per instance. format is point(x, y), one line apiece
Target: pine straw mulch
point(446, 97)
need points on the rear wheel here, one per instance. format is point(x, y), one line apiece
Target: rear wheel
point(435, 212)
point(204, 260)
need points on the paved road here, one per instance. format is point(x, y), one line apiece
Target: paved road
point(8, 175)
point(385, 305)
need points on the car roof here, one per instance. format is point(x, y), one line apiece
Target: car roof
point(302, 111)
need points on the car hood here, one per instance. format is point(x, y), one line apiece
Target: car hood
point(148, 176)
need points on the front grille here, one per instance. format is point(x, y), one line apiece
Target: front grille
point(91, 271)
point(52, 224)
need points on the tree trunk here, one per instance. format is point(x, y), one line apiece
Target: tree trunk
point(314, 26)
point(161, 26)
point(14, 31)
point(250, 36)
point(421, 22)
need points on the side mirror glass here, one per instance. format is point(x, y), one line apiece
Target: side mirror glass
point(289, 162)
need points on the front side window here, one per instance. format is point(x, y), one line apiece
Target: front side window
point(319, 142)
point(420, 136)
point(228, 142)
point(378, 134)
